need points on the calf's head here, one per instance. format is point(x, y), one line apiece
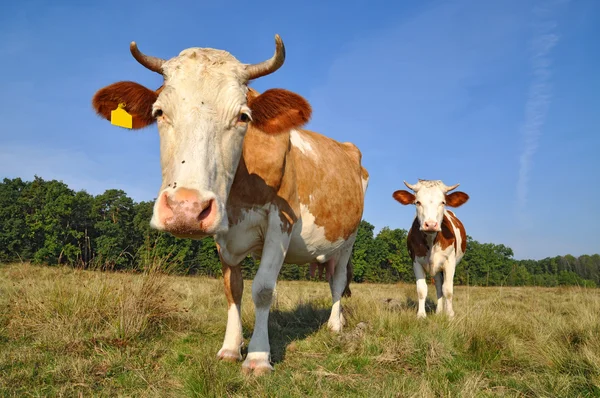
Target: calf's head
point(430, 198)
point(203, 111)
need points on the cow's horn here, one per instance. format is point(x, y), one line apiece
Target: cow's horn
point(448, 189)
point(415, 187)
point(269, 66)
point(153, 63)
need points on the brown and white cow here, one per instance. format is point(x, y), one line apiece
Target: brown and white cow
point(237, 166)
point(437, 239)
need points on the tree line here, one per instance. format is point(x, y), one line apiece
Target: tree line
point(46, 222)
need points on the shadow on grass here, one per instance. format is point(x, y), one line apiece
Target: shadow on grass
point(296, 324)
point(408, 305)
point(430, 306)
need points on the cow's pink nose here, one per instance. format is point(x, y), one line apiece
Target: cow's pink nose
point(430, 225)
point(185, 213)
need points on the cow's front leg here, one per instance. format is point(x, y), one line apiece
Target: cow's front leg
point(421, 288)
point(234, 287)
point(438, 278)
point(448, 287)
point(275, 248)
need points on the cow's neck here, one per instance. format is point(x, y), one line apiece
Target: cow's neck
point(441, 237)
point(430, 239)
point(260, 173)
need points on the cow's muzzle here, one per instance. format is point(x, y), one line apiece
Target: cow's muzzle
point(187, 213)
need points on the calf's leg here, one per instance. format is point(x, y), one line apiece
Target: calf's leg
point(421, 288)
point(448, 286)
point(438, 290)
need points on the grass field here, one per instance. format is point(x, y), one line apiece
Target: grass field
point(67, 332)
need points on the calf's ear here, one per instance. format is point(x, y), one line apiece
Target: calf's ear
point(456, 199)
point(138, 102)
point(404, 197)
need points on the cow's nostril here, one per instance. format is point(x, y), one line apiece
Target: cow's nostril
point(207, 207)
point(165, 207)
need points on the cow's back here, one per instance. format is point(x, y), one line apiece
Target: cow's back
point(329, 178)
point(330, 185)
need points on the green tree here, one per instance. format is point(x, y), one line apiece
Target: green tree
point(395, 254)
point(114, 240)
point(14, 237)
point(47, 222)
point(485, 264)
point(360, 252)
point(50, 221)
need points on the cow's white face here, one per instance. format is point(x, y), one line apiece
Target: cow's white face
point(430, 204)
point(430, 199)
point(203, 111)
point(202, 118)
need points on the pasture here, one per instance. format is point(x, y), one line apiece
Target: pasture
point(66, 332)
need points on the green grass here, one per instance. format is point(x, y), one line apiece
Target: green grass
point(66, 332)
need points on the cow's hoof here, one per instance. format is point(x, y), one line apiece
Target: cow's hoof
point(256, 365)
point(421, 315)
point(335, 326)
point(229, 355)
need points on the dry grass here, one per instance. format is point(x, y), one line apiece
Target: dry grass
point(67, 332)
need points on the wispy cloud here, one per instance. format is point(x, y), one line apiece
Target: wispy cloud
point(540, 94)
point(423, 93)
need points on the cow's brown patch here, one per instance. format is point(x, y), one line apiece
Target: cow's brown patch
point(259, 178)
point(329, 181)
point(277, 110)
point(459, 225)
point(137, 98)
point(416, 241)
point(233, 281)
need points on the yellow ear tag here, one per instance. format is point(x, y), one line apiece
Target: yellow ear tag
point(120, 117)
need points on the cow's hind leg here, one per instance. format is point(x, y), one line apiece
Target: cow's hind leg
point(438, 289)
point(313, 267)
point(338, 283)
point(349, 276)
point(234, 287)
point(275, 248)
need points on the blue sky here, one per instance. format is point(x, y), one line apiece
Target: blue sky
point(500, 96)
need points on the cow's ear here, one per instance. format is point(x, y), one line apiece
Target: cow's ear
point(404, 197)
point(456, 199)
point(277, 110)
point(138, 102)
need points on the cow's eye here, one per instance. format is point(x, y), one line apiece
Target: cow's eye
point(418, 203)
point(244, 117)
point(157, 113)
